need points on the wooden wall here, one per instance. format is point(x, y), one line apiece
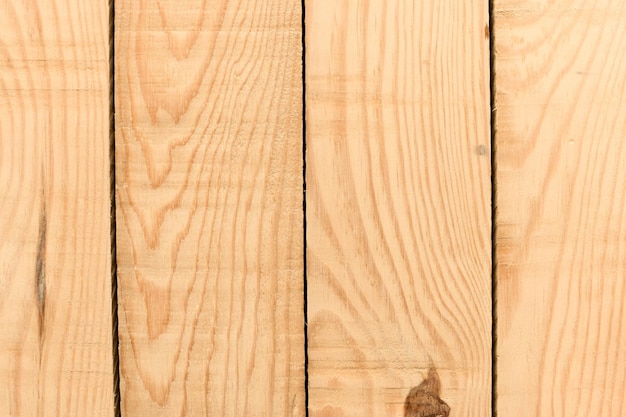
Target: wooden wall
point(326, 208)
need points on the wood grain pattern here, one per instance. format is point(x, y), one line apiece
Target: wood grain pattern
point(560, 71)
point(55, 271)
point(209, 193)
point(398, 204)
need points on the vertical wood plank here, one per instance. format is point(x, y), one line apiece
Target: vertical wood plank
point(398, 204)
point(560, 71)
point(55, 271)
point(209, 206)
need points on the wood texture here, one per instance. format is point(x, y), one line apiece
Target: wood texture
point(398, 204)
point(55, 272)
point(560, 71)
point(209, 205)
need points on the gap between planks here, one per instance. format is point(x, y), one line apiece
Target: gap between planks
point(494, 281)
point(113, 225)
point(304, 245)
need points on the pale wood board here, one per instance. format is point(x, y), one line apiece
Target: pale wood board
point(560, 78)
point(55, 264)
point(209, 207)
point(398, 204)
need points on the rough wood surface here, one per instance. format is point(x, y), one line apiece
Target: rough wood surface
point(209, 206)
point(55, 271)
point(398, 204)
point(560, 71)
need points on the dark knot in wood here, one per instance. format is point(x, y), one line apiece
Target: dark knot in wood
point(423, 400)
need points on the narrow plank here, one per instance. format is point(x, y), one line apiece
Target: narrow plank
point(398, 205)
point(560, 68)
point(209, 206)
point(55, 271)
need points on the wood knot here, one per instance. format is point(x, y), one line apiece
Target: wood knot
point(423, 400)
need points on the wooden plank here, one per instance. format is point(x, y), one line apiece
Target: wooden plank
point(561, 187)
point(398, 205)
point(209, 206)
point(55, 264)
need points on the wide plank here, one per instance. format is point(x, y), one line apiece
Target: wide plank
point(398, 207)
point(209, 207)
point(560, 71)
point(56, 349)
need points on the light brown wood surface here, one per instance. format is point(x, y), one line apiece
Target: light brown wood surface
point(560, 72)
point(209, 207)
point(55, 264)
point(398, 204)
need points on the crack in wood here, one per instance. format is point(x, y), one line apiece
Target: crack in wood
point(40, 268)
